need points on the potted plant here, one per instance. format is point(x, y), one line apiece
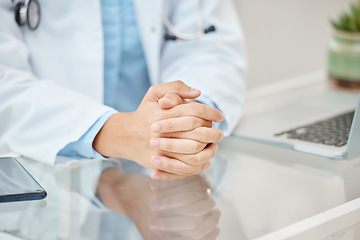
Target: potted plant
point(344, 48)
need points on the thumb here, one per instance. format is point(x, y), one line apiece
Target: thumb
point(178, 87)
point(170, 100)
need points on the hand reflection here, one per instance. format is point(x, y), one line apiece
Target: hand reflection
point(175, 209)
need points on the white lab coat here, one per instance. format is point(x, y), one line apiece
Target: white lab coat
point(51, 79)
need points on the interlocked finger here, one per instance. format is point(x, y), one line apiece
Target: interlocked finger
point(199, 158)
point(200, 134)
point(179, 124)
point(173, 145)
point(198, 110)
point(174, 166)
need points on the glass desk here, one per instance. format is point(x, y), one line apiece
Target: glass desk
point(251, 190)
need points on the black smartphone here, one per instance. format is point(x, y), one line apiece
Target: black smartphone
point(16, 183)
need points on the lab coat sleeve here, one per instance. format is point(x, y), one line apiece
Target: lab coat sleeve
point(37, 116)
point(83, 147)
point(214, 63)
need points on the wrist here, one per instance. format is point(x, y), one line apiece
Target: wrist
point(117, 137)
point(110, 190)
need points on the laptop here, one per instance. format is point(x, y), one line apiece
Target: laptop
point(322, 123)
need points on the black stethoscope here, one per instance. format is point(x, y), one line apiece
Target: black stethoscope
point(27, 12)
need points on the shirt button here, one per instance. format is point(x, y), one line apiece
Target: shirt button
point(153, 29)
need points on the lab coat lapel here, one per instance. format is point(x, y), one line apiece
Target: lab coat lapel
point(148, 14)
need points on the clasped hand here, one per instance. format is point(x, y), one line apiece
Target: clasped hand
point(175, 209)
point(166, 133)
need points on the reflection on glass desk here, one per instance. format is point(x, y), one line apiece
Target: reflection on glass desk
point(251, 190)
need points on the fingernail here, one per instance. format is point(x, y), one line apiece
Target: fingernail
point(155, 127)
point(154, 142)
point(157, 161)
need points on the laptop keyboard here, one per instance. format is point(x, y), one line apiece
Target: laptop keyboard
point(334, 131)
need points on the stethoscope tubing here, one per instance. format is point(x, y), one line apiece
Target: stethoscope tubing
point(199, 25)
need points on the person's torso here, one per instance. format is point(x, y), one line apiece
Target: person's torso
point(126, 78)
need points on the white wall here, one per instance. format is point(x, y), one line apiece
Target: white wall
point(286, 38)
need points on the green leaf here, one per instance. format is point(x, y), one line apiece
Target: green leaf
point(349, 20)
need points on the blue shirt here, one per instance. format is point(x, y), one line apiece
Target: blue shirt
point(126, 78)
point(125, 71)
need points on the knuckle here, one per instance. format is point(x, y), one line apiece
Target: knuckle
point(160, 115)
point(168, 125)
point(192, 121)
point(152, 88)
point(189, 170)
point(166, 145)
point(196, 159)
point(157, 152)
point(199, 109)
point(174, 97)
point(195, 170)
point(157, 135)
point(178, 85)
point(165, 165)
point(200, 134)
point(201, 146)
point(196, 147)
point(199, 169)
